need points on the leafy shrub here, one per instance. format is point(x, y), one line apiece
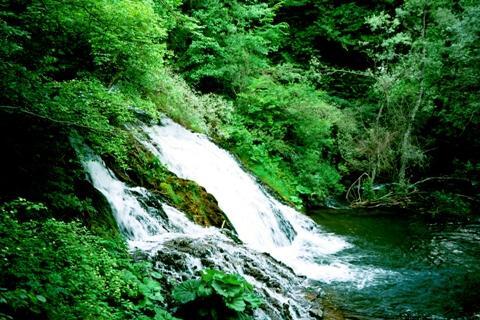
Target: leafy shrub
point(84, 64)
point(216, 295)
point(204, 113)
point(449, 203)
point(226, 43)
point(57, 270)
point(285, 131)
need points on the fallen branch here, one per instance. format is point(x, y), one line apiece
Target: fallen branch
point(330, 71)
point(441, 179)
point(357, 183)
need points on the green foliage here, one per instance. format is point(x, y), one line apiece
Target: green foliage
point(227, 43)
point(84, 64)
point(313, 23)
point(449, 203)
point(404, 69)
point(284, 130)
point(91, 105)
point(216, 295)
point(24, 209)
point(329, 37)
point(119, 41)
point(204, 113)
point(402, 83)
point(417, 90)
point(57, 270)
point(457, 90)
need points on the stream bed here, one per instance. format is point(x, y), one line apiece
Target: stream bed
point(431, 268)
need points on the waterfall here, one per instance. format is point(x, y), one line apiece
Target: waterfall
point(261, 221)
point(180, 248)
point(257, 219)
point(296, 246)
point(133, 220)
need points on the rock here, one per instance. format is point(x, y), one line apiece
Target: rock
point(144, 170)
point(282, 291)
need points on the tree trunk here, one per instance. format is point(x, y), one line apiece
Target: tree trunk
point(406, 136)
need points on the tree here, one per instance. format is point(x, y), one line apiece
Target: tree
point(226, 43)
point(407, 63)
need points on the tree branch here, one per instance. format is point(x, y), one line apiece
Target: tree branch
point(330, 71)
point(439, 178)
point(63, 122)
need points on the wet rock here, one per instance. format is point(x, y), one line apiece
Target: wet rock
point(144, 170)
point(142, 115)
point(282, 291)
point(316, 313)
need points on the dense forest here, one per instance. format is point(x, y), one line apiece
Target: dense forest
point(363, 103)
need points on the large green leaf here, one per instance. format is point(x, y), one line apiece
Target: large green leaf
point(237, 304)
point(253, 299)
point(186, 291)
point(209, 274)
point(204, 290)
point(227, 289)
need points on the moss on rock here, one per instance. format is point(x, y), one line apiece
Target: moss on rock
point(144, 169)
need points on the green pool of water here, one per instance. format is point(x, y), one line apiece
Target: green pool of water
point(423, 268)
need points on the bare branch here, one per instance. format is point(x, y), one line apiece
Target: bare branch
point(63, 122)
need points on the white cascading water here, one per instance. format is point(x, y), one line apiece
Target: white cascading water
point(181, 248)
point(262, 222)
point(134, 222)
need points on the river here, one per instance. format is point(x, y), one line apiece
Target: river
point(432, 267)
